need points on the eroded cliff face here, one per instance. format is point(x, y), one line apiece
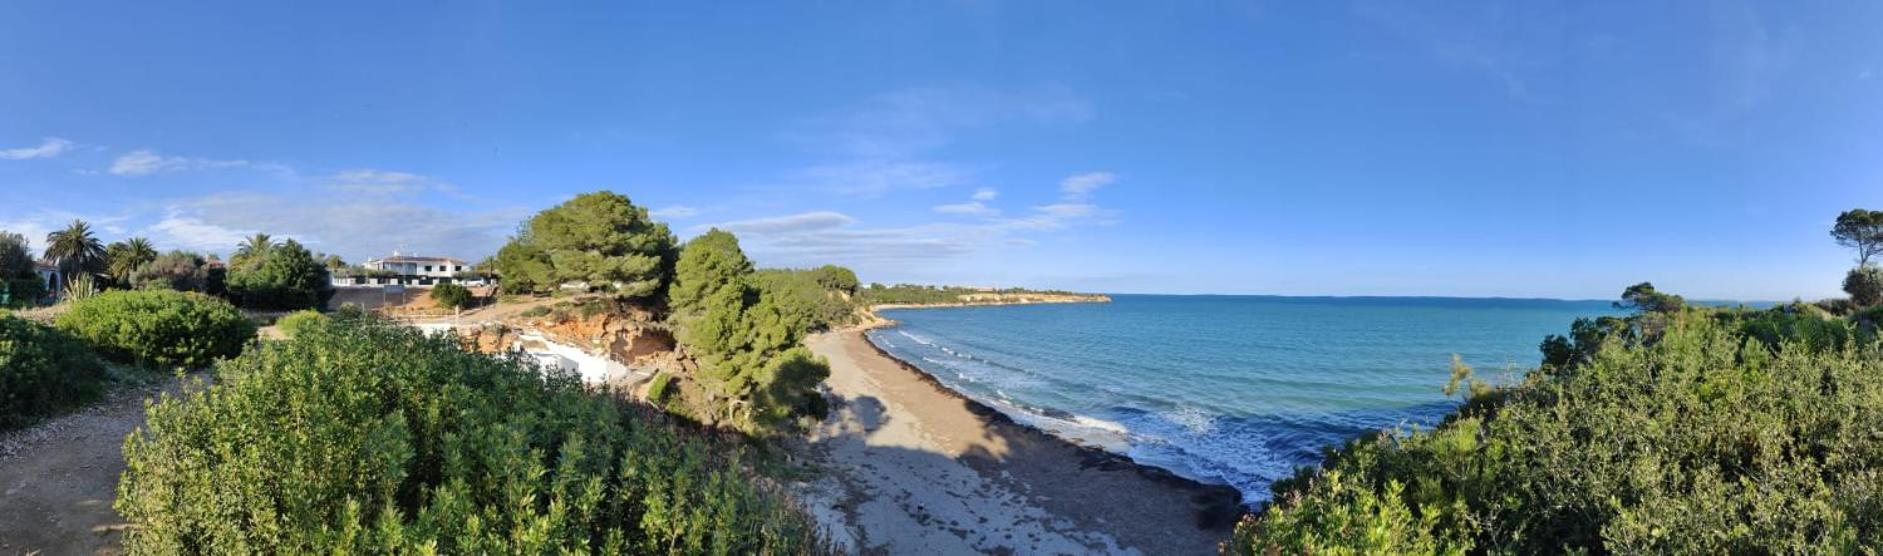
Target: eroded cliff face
point(633, 335)
point(629, 334)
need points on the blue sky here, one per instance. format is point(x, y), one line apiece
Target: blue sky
point(1441, 148)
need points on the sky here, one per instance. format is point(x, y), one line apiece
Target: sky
point(1299, 148)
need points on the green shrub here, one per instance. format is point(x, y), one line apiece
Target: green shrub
point(24, 292)
point(285, 278)
point(1725, 432)
point(1865, 285)
point(292, 324)
point(451, 296)
point(533, 312)
point(158, 327)
point(364, 438)
point(42, 370)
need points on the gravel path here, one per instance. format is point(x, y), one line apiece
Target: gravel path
point(58, 479)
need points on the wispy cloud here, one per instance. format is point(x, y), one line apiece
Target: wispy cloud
point(47, 148)
point(825, 236)
point(383, 182)
point(675, 211)
point(1082, 185)
point(143, 162)
point(350, 226)
point(788, 224)
point(976, 205)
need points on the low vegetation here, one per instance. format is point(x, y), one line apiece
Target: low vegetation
point(916, 294)
point(293, 323)
point(452, 296)
point(1679, 429)
point(158, 328)
point(43, 371)
point(355, 437)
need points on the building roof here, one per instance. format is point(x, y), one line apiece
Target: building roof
point(415, 259)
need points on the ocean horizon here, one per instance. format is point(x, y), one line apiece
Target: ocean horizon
point(1228, 389)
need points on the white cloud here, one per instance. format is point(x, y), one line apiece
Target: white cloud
point(383, 182)
point(182, 232)
point(675, 211)
point(351, 227)
point(144, 162)
point(976, 208)
point(821, 237)
point(48, 148)
point(794, 223)
point(985, 194)
point(1082, 185)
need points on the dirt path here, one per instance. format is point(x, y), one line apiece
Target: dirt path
point(58, 479)
point(915, 469)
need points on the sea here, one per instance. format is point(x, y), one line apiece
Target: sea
point(1237, 390)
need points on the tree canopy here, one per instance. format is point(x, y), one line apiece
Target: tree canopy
point(122, 258)
point(746, 344)
point(287, 277)
point(599, 238)
point(75, 250)
point(1861, 230)
point(1643, 297)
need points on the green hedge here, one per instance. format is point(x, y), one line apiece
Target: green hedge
point(359, 437)
point(159, 327)
point(1697, 432)
point(451, 296)
point(292, 324)
point(42, 371)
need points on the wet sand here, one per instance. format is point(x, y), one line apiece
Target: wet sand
point(916, 468)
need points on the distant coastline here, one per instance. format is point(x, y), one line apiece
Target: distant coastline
point(1000, 299)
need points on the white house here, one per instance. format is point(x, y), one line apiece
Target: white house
point(408, 269)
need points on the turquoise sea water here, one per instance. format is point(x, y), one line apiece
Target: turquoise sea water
point(1229, 389)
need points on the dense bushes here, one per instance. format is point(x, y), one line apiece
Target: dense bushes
point(359, 438)
point(42, 370)
point(1707, 431)
point(755, 373)
point(1865, 285)
point(451, 296)
point(805, 299)
point(177, 270)
point(284, 277)
point(292, 324)
point(158, 327)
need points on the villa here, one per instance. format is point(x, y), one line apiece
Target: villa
point(404, 269)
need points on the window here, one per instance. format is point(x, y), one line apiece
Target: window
point(428, 268)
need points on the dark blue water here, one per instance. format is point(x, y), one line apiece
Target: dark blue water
point(1231, 389)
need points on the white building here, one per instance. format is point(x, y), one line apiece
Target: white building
point(417, 266)
point(408, 269)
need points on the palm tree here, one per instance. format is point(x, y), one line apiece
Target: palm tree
point(75, 250)
point(253, 247)
point(124, 257)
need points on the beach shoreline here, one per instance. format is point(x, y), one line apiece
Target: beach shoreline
point(914, 466)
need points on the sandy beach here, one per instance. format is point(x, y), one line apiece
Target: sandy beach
point(915, 468)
